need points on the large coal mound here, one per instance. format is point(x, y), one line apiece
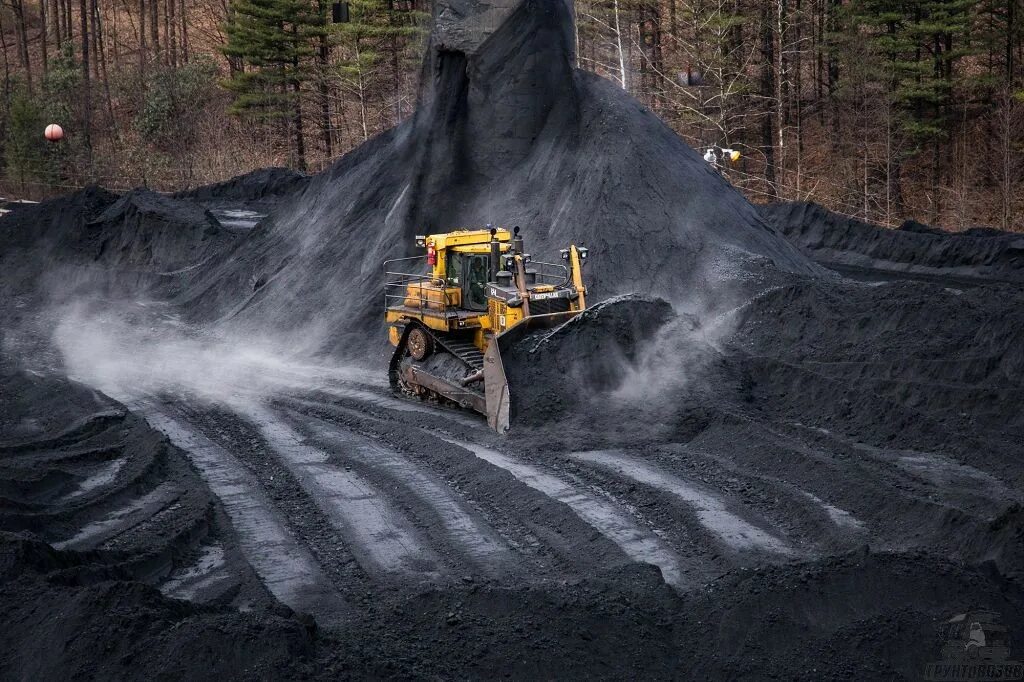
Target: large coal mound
point(96, 241)
point(847, 243)
point(261, 186)
point(507, 132)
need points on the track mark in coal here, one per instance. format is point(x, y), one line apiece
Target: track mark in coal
point(383, 540)
point(204, 579)
point(122, 518)
point(287, 569)
point(840, 517)
point(638, 543)
point(710, 510)
point(389, 402)
point(101, 476)
point(471, 536)
point(945, 473)
point(937, 478)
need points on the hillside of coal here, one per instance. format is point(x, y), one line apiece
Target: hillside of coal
point(109, 611)
point(738, 463)
point(913, 249)
point(510, 133)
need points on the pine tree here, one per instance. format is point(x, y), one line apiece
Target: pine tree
point(904, 53)
point(273, 40)
point(376, 31)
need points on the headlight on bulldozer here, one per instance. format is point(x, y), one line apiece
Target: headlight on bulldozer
point(583, 252)
point(565, 254)
point(421, 240)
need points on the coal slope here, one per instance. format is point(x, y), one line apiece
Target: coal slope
point(264, 187)
point(802, 477)
point(506, 132)
point(104, 527)
point(913, 249)
point(117, 562)
point(95, 242)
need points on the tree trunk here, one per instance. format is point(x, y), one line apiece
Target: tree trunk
point(396, 67)
point(300, 141)
point(184, 32)
point(154, 27)
point(618, 45)
point(142, 42)
point(832, 7)
point(767, 92)
point(86, 84)
point(7, 64)
point(42, 36)
point(115, 37)
point(56, 15)
point(19, 19)
point(93, 19)
point(171, 33)
point(781, 115)
point(1011, 31)
point(324, 57)
point(362, 94)
point(98, 35)
point(798, 95)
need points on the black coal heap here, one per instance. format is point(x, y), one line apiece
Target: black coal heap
point(507, 132)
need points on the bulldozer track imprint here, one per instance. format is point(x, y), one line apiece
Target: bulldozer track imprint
point(607, 518)
point(471, 536)
point(207, 572)
point(710, 510)
point(384, 539)
point(122, 519)
point(286, 567)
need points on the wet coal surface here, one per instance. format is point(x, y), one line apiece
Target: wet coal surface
point(746, 466)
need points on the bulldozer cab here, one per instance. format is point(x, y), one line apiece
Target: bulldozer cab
point(470, 273)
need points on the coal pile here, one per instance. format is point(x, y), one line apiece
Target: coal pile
point(779, 443)
point(507, 132)
point(264, 187)
point(95, 240)
point(832, 239)
point(593, 353)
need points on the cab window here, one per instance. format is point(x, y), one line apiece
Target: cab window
point(453, 269)
point(477, 281)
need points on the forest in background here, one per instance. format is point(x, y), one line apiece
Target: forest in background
point(879, 109)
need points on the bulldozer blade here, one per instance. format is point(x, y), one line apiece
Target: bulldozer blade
point(500, 411)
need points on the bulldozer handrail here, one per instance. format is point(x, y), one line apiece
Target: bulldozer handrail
point(398, 260)
point(397, 287)
point(544, 277)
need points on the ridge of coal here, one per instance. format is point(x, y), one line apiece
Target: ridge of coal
point(512, 134)
point(979, 253)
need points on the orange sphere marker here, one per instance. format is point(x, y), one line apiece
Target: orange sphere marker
point(54, 132)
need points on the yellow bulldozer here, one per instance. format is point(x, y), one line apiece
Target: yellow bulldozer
point(471, 295)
